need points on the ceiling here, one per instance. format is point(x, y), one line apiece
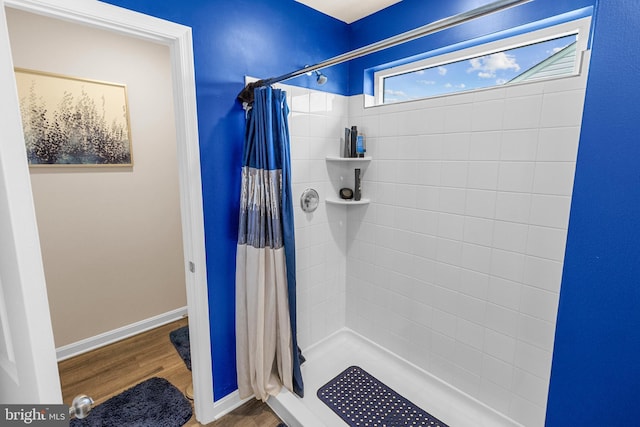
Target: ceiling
point(348, 10)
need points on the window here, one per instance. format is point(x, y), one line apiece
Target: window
point(549, 53)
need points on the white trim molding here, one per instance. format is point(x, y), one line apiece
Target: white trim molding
point(92, 343)
point(179, 40)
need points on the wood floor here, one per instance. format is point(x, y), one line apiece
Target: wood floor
point(107, 371)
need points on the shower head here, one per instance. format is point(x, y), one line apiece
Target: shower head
point(321, 78)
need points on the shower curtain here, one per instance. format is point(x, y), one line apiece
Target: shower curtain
point(267, 353)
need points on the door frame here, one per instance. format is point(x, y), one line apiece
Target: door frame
point(179, 40)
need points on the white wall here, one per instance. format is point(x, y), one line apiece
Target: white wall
point(111, 237)
point(316, 122)
point(456, 264)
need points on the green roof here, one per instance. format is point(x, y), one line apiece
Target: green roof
point(559, 64)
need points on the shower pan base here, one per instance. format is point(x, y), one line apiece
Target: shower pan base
point(345, 348)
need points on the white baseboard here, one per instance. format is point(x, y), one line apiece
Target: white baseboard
point(227, 404)
point(92, 343)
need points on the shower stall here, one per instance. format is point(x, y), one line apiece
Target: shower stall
point(444, 282)
point(445, 286)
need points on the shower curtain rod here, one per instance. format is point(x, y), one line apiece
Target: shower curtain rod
point(416, 33)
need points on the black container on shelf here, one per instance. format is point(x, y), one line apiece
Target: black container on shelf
point(354, 140)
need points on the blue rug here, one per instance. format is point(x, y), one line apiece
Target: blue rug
point(361, 400)
point(152, 403)
point(180, 340)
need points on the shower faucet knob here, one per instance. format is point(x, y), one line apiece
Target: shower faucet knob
point(309, 200)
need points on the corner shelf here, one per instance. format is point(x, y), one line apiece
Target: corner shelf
point(334, 201)
point(345, 161)
point(348, 159)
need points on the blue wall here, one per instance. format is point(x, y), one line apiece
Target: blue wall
point(596, 365)
point(260, 38)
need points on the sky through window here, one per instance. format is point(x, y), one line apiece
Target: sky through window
point(494, 69)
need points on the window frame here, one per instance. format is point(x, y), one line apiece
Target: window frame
point(580, 27)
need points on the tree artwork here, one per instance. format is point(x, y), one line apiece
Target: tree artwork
point(70, 121)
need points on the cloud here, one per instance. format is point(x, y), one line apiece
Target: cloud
point(501, 81)
point(442, 71)
point(395, 93)
point(486, 66)
point(426, 82)
point(458, 86)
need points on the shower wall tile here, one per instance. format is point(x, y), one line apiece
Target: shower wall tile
point(452, 200)
point(316, 121)
point(559, 110)
point(470, 333)
point(466, 381)
point(480, 203)
point(516, 176)
point(457, 118)
point(502, 320)
point(299, 99)
point(526, 412)
point(510, 236)
point(503, 292)
point(530, 387)
point(455, 145)
point(507, 265)
point(456, 264)
point(550, 211)
point(533, 360)
point(519, 145)
point(474, 284)
point(536, 332)
point(497, 371)
point(485, 145)
point(558, 144)
point(482, 175)
point(495, 396)
point(538, 303)
point(478, 230)
point(500, 346)
point(542, 273)
point(487, 115)
point(545, 242)
point(476, 258)
point(522, 113)
point(554, 178)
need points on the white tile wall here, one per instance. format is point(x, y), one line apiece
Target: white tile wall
point(456, 264)
point(315, 125)
point(464, 239)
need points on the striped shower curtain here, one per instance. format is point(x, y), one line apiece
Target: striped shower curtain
point(266, 346)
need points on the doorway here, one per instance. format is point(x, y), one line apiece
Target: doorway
point(178, 39)
point(110, 236)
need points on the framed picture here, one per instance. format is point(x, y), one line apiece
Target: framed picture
point(69, 121)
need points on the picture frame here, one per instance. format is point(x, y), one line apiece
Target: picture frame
point(72, 121)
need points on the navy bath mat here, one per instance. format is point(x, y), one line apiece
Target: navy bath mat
point(361, 400)
point(152, 403)
point(180, 340)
